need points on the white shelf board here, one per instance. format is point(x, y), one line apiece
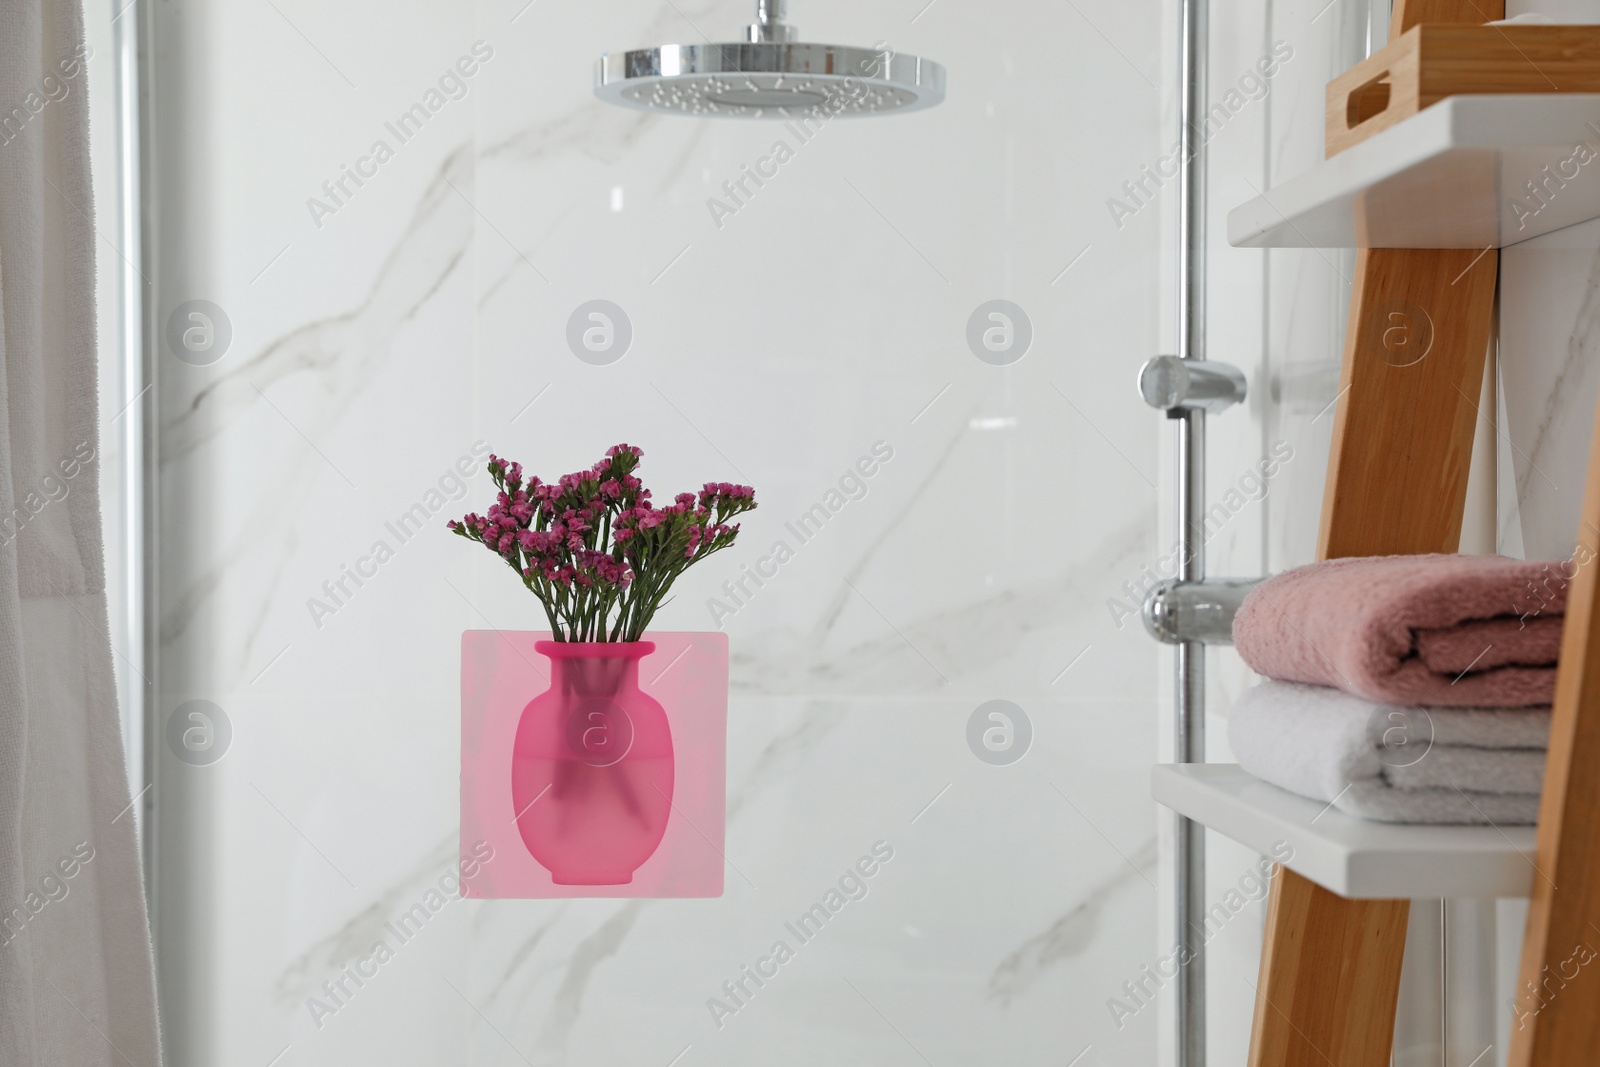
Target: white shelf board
point(1352, 857)
point(1447, 177)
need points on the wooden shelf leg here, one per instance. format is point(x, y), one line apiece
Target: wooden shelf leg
point(1418, 335)
point(1330, 969)
point(1417, 339)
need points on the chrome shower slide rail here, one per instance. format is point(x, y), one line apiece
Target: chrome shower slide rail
point(1189, 858)
point(1189, 612)
point(1188, 389)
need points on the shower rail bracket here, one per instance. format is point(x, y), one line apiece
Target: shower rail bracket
point(1176, 385)
point(1177, 611)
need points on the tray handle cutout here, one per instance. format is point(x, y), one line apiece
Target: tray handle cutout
point(1367, 101)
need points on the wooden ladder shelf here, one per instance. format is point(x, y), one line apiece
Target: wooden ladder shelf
point(1419, 328)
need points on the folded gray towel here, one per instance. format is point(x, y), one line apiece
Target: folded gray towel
point(1507, 771)
point(1380, 803)
point(1393, 764)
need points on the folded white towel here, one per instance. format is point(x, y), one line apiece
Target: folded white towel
point(1393, 764)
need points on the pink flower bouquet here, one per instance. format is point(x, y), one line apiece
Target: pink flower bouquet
point(594, 549)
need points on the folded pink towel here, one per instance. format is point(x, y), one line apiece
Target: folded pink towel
point(1457, 631)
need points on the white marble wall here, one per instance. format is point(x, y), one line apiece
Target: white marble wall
point(1548, 380)
point(427, 313)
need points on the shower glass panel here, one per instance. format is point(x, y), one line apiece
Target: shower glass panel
point(414, 235)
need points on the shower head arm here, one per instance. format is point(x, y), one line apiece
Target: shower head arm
point(770, 25)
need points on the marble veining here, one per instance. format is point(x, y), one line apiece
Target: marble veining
point(1071, 934)
point(304, 973)
point(1580, 353)
point(428, 252)
point(1550, 319)
point(342, 354)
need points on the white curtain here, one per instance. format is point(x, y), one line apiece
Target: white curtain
point(77, 986)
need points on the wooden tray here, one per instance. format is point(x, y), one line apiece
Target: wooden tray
point(1432, 61)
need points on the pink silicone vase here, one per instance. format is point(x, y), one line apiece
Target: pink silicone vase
point(592, 768)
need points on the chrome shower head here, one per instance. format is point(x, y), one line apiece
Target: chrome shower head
point(769, 75)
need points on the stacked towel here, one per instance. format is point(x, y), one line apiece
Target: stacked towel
point(1453, 631)
point(1393, 764)
point(1425, 686)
